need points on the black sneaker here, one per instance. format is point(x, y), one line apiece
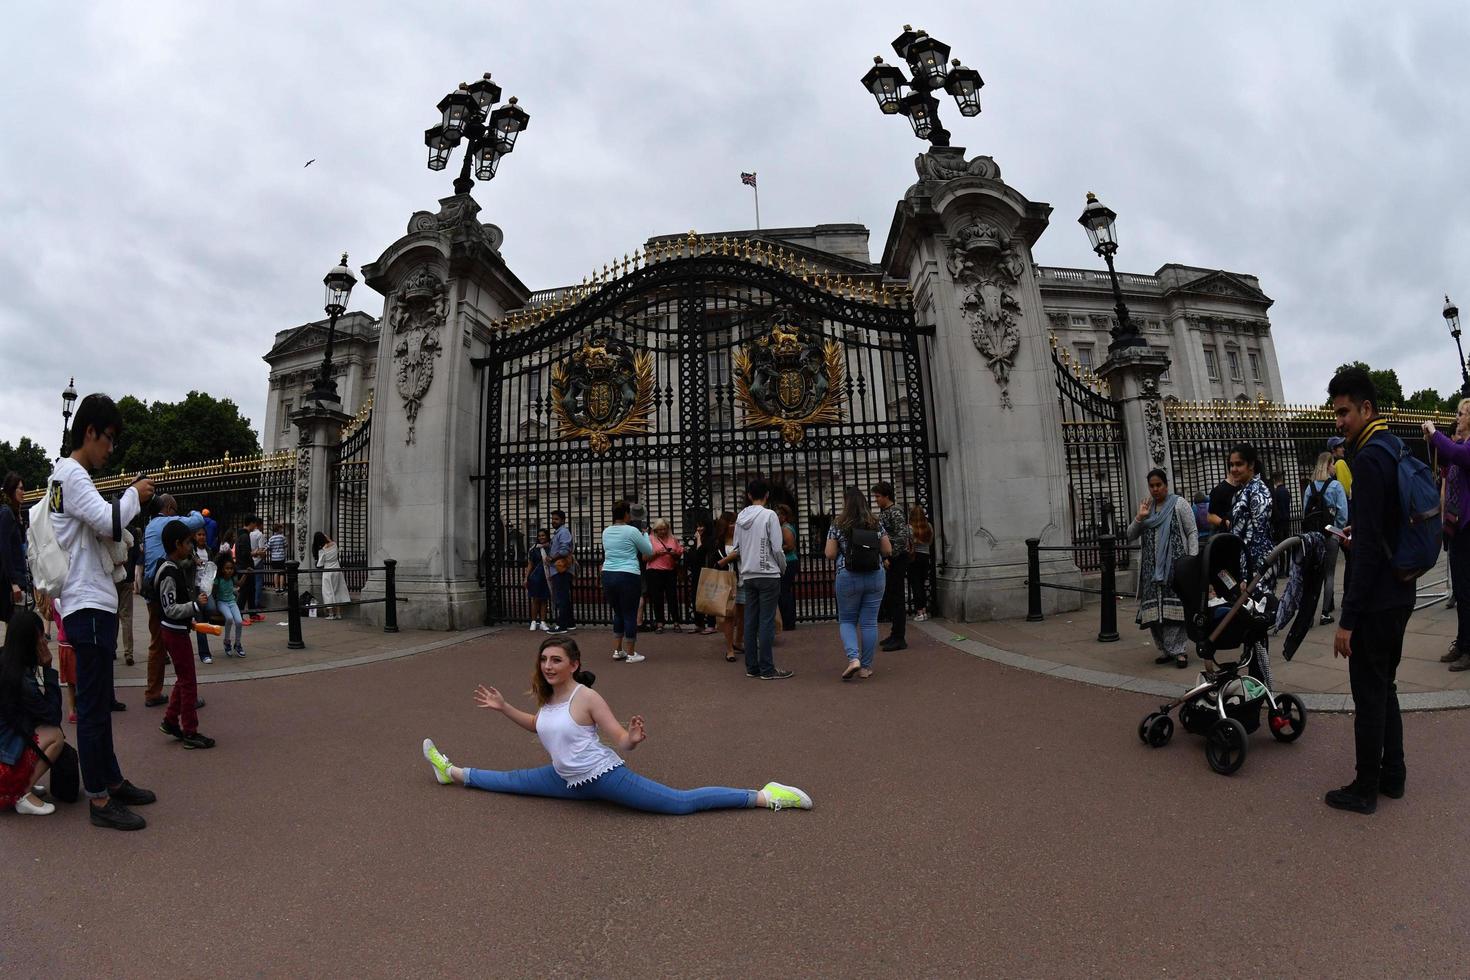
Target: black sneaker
point(752, 673)
point(198, 703)
point(776, 675)
point(116, 817)
point(198, 741)
point(129, 795)
point(556, 631)
point(1391, 786)
point(118, 705)
point(1325, 620)
point(171, 728)
point(893, 645)
point(1351, 797)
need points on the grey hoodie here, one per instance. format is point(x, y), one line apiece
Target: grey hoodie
point(758, 538)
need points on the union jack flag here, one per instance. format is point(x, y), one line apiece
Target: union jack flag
point(746, 178)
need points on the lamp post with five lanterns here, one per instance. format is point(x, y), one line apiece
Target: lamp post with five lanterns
point(925, 56)
point(488, 135)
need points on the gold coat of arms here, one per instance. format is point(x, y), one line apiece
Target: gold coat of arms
point(606, 390)
point(790, 379)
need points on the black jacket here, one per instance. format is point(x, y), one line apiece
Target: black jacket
point(1377, 518)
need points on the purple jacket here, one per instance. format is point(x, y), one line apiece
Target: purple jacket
point(1457, 453)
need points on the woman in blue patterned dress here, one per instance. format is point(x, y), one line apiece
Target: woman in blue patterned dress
point(1250, 520)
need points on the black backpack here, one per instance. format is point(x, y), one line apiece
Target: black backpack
point(862, 550)
point(1317, 514)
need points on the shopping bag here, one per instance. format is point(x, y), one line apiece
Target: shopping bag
point(716, 595)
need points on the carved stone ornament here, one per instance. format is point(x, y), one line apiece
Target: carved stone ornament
point(1153, 419)
point(790, 379)
point(303, 495)
point(987, 269)
point(944, 163)
point(603, 390)
point(420, 308)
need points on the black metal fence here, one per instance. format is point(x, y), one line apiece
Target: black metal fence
point(1289, 439)
point(349, 501)
point(1097, 473)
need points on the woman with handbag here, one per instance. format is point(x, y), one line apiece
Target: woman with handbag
point(698, 557)
point(733, 625)
point(31, 738)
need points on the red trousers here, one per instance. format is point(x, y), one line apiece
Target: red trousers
point(181, 709)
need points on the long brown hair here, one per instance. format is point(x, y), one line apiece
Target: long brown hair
point(12, 480)
point(855, 511)
point(923, 530)
point(540, 689)
point(723, 524)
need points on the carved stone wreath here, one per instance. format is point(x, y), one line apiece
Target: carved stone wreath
point(603, 390)
point(419, 311)
point(790, 379)
point(987, 269)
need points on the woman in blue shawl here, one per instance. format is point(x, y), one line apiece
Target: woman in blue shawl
point(1250, 520)
point(1165, 522)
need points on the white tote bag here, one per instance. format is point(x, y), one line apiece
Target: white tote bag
point(49, 562)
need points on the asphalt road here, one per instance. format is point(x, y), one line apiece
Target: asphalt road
point(970, 820)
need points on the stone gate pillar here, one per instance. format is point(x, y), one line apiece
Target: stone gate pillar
point(442, 284)
point(962, 238)
point(318, 432)
point(1132, 375)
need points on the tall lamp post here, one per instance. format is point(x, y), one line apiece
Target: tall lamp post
point(1452, 320)
point(1099, 220)
point(339, 282)
point(67, 398)
point(488, 136)
point(925, 56)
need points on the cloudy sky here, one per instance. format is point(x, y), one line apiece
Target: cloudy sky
point(157, 226)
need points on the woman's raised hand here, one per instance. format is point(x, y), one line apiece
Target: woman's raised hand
point(636, 732)
point(1142, 511)
point(488, 697)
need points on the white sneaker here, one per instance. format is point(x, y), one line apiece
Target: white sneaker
point(635, 658)
point(533, 626)
point(24, 805)
point(619, 655)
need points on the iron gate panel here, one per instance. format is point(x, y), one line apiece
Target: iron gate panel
point(1097, 472)
point(349, 500)
point(692, 314)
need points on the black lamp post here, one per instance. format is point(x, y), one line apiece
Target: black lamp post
point(926, 60)
point(1099, 221)
point(339, 282)
point(67, 398)
point(489, 135)
point(1452, 320)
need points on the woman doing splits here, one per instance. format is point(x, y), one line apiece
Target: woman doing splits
point(582, 768)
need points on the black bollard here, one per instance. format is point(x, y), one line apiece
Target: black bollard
point(390, 595)
point(1108, 627)
point(293, 609)
point(1033, 580)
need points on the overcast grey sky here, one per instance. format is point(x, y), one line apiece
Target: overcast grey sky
point(159, 227)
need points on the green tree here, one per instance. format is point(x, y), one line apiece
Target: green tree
point(1429, 400)
point(1390, 391)
point(28, 459)
point(198, 428)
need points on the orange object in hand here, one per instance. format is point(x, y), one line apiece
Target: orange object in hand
point(209, 628)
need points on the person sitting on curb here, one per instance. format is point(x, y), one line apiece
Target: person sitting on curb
point(31, 738)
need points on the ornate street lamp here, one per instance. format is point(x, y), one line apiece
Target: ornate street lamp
point(1099, 220)
point(67, 398)
point(465, 116)
point(339, 282)
point(925, 56)
point(1452, 320)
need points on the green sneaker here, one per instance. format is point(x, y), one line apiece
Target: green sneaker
point(441, 765)
point(782, 797)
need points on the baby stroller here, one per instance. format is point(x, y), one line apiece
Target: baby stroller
point(1225, 704)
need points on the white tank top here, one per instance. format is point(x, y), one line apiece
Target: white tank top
point(576, 753)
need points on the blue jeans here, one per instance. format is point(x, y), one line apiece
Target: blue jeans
point(561, 599)
point(622, 786)
point(233, 620)
point(787, 602)
point(623, 590)
point(761, 596)
point(858, 596)
point(92, 634)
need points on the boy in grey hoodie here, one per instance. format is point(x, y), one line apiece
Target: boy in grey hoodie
point(762, 560)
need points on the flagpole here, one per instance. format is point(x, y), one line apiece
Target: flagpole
point(757, 206)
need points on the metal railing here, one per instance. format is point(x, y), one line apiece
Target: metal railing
point(294, 607)
point(1107, 550)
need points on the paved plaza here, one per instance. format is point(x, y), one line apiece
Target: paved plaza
point(970, 819)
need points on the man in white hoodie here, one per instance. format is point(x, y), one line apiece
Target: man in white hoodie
point(85, 524)
point(762, 560)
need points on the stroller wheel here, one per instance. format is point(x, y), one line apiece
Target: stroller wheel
point(1160, 730)
point(1225, 746)
point(1289, 719)
point(1148, 720)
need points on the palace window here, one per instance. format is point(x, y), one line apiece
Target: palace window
point(1084, 356)
point(1079, 321)
point(286, 415)
point(1255, 360)
point(1234, 359)
point(1164, 378)
point(1211, 367)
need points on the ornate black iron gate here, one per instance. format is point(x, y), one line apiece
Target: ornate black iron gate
point(349, 498)
point(671, 384)
point(1097, 472)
